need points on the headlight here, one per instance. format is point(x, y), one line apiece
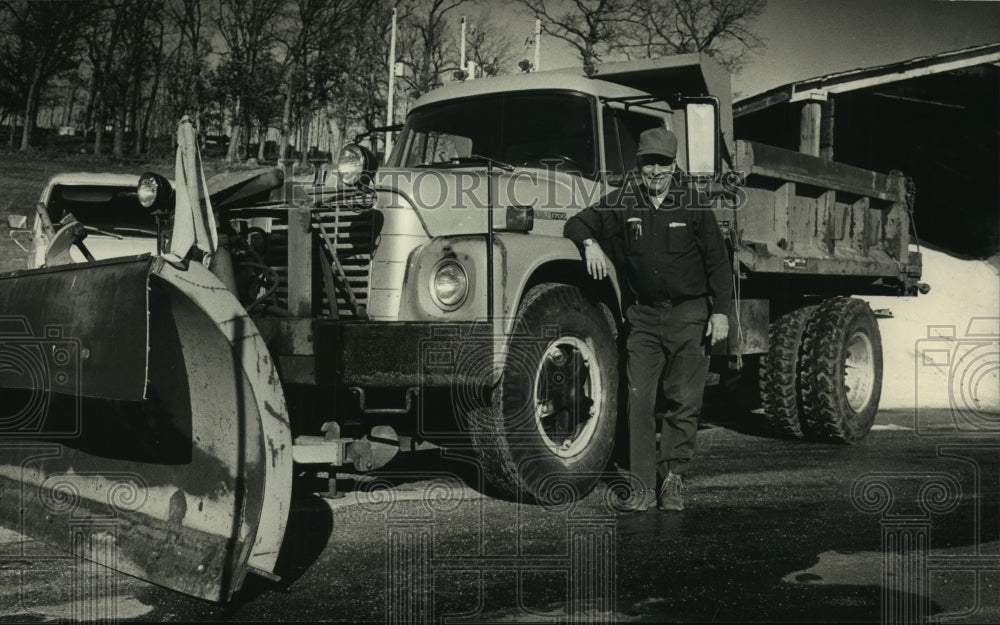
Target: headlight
point(449, 284)
point(154, 191)
point(147, 191)
point(354, 161)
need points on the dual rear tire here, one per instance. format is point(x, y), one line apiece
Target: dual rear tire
point(822, 377)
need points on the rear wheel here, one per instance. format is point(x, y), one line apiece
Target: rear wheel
point(779, 384)
point(550, 433)
point(841, 370)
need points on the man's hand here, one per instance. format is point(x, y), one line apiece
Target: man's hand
point(597, 261)
point(717, 328)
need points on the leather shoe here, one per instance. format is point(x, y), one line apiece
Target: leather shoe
point(671, 497)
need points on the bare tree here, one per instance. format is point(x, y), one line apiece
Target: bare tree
point(601, 30)
point(137, 48)
point(249, 29)
point(310, 27)
point(189, 73)
point(361, 101)
point(427, 44)
point(488, 44)
point(592, 27)
point(45, 38)
point(158, 62)
point(719, 28)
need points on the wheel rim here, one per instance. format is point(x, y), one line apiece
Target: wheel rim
point(859, 371)
point(568, 396)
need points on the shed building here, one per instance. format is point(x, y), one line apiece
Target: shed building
point(935, 118)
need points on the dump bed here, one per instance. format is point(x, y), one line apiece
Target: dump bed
point(805, 215)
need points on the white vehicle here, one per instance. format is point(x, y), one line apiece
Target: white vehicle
point(105, 206)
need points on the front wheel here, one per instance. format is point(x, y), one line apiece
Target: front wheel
point(551, 430)
point(841, 370)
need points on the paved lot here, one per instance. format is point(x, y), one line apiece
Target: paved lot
point(775, 531)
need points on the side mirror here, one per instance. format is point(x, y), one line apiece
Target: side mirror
point(702, 132)
point(519, 219)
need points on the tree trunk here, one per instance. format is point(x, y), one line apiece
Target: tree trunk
point(154, 92)
point(303, 141)
point(286, 118)
point(13, 129)
point(69, 110)
point(234, 133)
point(71, 99)
point(132, 121)
point(30, 106)
point(88, 118)
point(98, 126)
point(137, 131)
point(261, 153)
point(119, 142)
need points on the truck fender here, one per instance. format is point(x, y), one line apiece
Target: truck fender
point(530, 260)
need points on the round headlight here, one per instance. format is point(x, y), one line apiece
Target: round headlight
point(354, 161)
point(148, 189)
point(449, 284)
point(155, 192)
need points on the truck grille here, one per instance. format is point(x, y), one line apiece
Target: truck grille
point(352, 232)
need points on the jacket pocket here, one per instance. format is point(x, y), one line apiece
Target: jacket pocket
point(680, 236)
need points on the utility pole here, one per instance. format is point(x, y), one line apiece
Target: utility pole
point(461, 46)
point(538, 43)
point(392, 85)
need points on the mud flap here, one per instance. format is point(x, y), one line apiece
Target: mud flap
point(178, 472)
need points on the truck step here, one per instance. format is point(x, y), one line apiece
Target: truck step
point(319, 450)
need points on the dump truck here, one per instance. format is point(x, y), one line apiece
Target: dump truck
point(284, 326)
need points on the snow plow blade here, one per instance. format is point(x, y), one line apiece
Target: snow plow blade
point(142, 423)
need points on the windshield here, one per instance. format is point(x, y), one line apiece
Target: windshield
point(111, 208)
point(528, 129)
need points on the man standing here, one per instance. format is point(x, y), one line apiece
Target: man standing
point(671, 256)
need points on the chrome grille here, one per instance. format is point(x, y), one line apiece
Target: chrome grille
point(352, 233)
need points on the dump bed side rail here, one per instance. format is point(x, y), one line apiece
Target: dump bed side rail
point(806, 215)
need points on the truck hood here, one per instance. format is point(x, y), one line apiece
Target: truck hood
point(453, 201)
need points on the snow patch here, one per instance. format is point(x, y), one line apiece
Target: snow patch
point(942, 349)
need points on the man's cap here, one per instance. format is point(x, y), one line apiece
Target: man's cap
point(657, 141)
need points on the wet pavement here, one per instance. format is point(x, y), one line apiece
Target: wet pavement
point(901, 526)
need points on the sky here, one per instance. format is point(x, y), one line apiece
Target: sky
point(807, 38)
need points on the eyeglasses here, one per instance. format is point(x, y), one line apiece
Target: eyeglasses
point(655, 159)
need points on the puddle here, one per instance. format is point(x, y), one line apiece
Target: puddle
point(106, 609)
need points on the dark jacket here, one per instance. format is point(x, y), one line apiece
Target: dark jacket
point(673, 252)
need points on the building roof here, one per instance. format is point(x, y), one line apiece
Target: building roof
point(851, 80)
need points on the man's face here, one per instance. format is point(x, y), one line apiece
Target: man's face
point(656, 171)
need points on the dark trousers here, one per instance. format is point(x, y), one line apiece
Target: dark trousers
point(671, 338)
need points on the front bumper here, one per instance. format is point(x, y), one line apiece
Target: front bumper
point(383, 354)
